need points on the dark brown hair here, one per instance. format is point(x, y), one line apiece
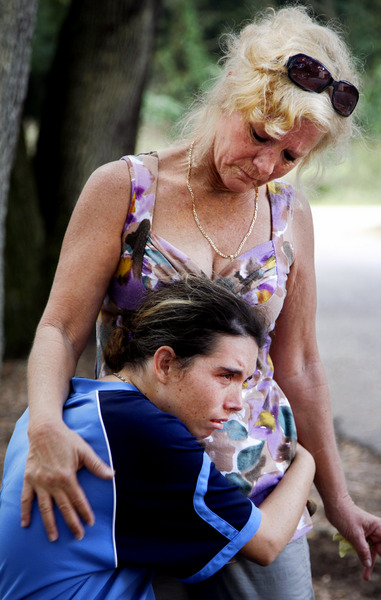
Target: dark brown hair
point(187, 315)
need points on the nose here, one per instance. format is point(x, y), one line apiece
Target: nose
point(264, 163)
point(234, 401)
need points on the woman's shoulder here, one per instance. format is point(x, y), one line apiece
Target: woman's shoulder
point(110, 169)
point(109, 180)
point(302, 207)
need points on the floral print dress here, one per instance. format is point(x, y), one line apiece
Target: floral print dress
point(256, 445)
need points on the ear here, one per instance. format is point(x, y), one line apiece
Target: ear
point(163, 363)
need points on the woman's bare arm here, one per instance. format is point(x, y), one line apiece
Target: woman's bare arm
point(282, 510)
point(89, 255)
point(300, 374)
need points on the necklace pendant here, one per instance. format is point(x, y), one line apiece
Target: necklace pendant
point(231, 257)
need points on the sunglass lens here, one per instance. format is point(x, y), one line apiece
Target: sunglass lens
point(309, 74)
point(344, 98)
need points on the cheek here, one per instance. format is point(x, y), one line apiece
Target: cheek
point(233, 147)
point(200, 403)
point(191, 398)
point(284, 169)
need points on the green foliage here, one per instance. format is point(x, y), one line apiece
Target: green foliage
point(356, 181)
point(187, 53)
point(181, 62)
point(188, 49)
point(361, 22)
point(181, 59)
point(221, 16)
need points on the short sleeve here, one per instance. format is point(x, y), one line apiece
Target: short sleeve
point(175, 512)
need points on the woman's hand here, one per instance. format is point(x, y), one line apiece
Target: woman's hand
point(55, 455)
point(360, 528)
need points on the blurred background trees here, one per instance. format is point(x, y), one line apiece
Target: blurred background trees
point(17, 18)
point(111, 77)
point(89, 68)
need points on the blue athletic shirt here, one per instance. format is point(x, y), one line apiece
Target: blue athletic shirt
point(184, 520)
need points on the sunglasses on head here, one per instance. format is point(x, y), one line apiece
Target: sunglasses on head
point(312, 76)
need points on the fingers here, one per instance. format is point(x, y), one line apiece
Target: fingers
point(91, 461)
point(68, 508)
point(368, 570)
point(72, 504)
point(69, 514)
point(47, 514)
point(27, 498)
point(363, 551)
point(51, 475)
point(368, 553)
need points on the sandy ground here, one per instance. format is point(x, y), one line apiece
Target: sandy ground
point(334, 578)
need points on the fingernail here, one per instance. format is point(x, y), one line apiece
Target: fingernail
point(90, 521)
point(368, 564)
point(53, 538)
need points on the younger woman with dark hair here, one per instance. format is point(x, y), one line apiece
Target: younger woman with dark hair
point(179, 363)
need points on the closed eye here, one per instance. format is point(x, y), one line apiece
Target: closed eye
point(257, 137)
point(288, 157)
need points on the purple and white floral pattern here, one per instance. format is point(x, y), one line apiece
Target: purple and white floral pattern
point(257, 444)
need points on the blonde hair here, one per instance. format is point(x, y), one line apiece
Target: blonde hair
point(254, 81)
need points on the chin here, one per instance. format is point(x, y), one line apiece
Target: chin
point(237, 186)
point(203, 436)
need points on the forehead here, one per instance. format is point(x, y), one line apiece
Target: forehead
point(236, 352)
point(306, 135)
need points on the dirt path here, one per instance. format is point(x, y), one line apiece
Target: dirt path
point(334, 578)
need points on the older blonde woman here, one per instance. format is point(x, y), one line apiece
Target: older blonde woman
point(215, 204)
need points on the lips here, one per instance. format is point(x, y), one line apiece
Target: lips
point(247, 174)
point(218, 423)
point(251, 178)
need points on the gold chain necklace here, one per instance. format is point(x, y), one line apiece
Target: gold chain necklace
point(206, 236)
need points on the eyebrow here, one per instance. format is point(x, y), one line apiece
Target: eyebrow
point(232, 371)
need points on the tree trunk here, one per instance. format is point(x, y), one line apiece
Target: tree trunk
point(17, 18)
point(23, 252)
point(93, 101)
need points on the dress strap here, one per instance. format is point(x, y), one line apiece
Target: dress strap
point(143, 169)
point(282, 202)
